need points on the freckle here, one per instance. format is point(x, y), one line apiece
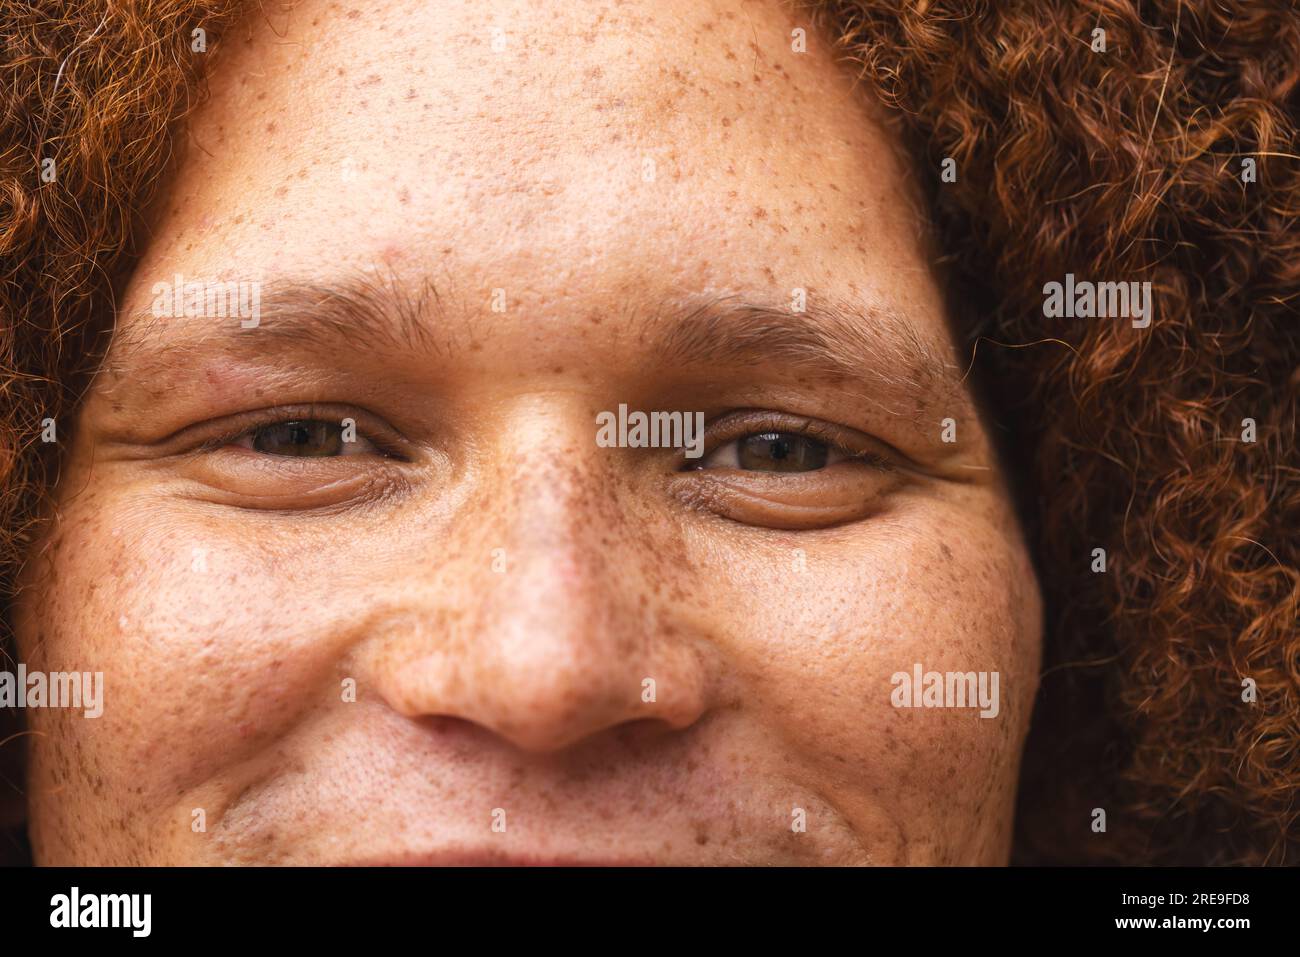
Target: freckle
point(726, 121)
point(270, 127)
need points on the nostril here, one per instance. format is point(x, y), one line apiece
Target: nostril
point(459, 734)
point(446, 724)
point(643, 734)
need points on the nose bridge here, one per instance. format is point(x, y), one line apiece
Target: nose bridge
point(548, 461)
point(557, 522)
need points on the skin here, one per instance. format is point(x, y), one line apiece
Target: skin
point(500, 586)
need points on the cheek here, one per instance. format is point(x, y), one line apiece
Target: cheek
point(839, 620)
point(198, 659)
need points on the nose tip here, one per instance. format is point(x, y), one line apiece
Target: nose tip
point(558, 712)
point(542, 691)
point(543, 708)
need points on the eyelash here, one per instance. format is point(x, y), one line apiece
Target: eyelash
point(739, 425)
point(251, 422)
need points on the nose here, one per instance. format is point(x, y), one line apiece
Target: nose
point(546, 627)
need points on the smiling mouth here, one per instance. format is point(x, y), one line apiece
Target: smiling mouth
point(488, 858)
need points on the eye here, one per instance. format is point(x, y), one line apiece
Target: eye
point(307, 438)
point(760, 442)
point(771, 452)
point(299, 458)
point(775, 470)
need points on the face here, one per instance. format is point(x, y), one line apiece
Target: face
point(373, 574)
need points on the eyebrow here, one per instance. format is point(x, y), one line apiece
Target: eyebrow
point(359, 311)
point(835, 338)
point(831, 337)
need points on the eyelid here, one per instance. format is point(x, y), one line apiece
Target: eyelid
point(229, 429)
point(857, 445)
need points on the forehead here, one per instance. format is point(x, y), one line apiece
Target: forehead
point(569, 154)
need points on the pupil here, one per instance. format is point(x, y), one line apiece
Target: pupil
point(782, 452)
point(304, 438)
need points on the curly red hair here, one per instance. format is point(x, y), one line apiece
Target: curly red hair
point(1124, 164)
